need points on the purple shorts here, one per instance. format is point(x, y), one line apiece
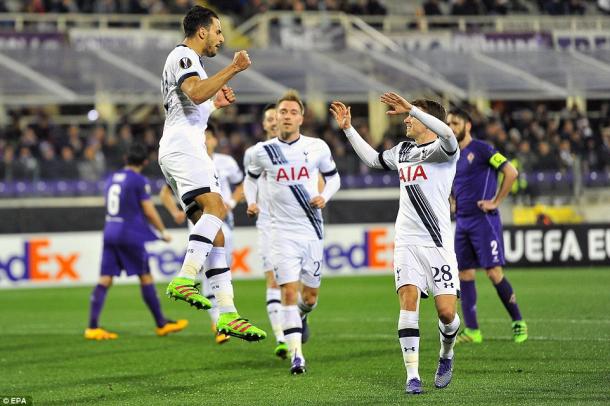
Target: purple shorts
point(133, 259)
point(478, 242)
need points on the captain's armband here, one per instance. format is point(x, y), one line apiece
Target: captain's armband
point(497, 160)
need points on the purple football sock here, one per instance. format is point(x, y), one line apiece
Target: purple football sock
point(505, 291)
point(98, 297)
point(149, 294)
point(469, 304)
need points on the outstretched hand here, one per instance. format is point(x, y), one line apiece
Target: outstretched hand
point(224, 97)
point(396, 102)
point(342, 114)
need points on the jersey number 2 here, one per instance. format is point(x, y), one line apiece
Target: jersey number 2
point(113, 200)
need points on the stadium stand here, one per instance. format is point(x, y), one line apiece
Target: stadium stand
point(66, 147)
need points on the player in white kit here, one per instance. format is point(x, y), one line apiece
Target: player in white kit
point(292, 163)
point(187, 93)
point(230, 177)
point(424, 258)
point(263, 226)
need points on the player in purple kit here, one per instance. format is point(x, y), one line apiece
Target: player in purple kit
point(478, 234)
point(129, 214)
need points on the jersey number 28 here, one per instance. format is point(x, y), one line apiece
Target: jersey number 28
point(442, 274)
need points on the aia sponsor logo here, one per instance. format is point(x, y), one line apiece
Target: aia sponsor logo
point(412, 173)
point(292, 174)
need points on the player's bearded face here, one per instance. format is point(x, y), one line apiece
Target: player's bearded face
point(457, 126)
point(213, 39)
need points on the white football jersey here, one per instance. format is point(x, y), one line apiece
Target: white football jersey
point(264, 218)
point(292, 179)
point(183, 117)
point(426, 174)
point(229, 173)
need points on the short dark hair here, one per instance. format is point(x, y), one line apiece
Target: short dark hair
point(270, 106)
point(197, 17)
point(211, 128)
point(137, 154)
point(456, 111)
point(431, 107)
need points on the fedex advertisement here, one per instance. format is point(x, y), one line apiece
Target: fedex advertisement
point(64, 259)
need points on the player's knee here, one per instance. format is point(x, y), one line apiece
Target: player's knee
point(146, 279)
point(105, 281)
point(495, 274)
point(289, 296)
point(467, 275)
point(310, 299)
point(446, 314)
point(408, 296)
point(212, 203)
point(221, 212)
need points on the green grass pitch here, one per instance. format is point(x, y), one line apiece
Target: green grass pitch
point(353, 355)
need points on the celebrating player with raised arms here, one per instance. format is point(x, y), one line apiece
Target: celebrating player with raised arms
point(292, 163)
point(189, 170)
point(424, 260)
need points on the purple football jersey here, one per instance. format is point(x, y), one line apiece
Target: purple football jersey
point(476, 177)
point(125, 220)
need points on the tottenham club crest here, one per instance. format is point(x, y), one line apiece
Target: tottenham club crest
point(470, 157)
point(185, 63)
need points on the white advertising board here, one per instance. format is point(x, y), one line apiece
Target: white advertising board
point(73, 258)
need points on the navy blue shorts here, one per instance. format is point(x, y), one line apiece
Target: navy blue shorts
point(479, 242)
point(133, 259)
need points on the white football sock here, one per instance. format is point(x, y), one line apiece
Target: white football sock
point(200, 244)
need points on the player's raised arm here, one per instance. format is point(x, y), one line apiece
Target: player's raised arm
point(399, 105)
point(200, 90)
point(367, 154)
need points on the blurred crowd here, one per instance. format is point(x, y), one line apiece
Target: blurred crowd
point(242, 9)
point(32, 147)
point(236, 7)
point(502, 7)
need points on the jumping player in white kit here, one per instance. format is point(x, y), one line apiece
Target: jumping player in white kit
point(187, 93)
point(230, 177)
point(292, 163)
point(424, 258)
